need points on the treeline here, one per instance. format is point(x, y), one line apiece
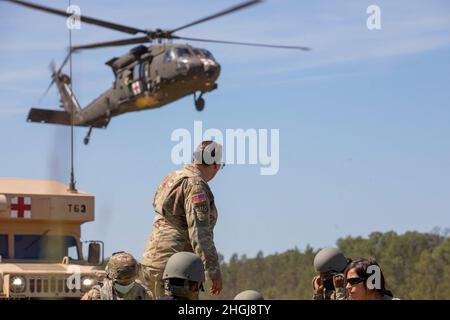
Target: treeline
point(416, 266)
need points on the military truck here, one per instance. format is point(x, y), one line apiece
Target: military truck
point(41, 253)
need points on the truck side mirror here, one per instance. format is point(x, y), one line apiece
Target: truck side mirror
point(94, 253)
point(3, 203)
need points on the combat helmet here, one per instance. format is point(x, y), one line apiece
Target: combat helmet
point(183, 269)
point(249, 295)
point(330, 260)
point(122, 266)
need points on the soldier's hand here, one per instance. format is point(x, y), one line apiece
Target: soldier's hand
point(339, 281)
point(317, 285)
point(216, 286)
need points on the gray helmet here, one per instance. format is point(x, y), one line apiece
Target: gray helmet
point(185, 265)
point(249, 295)
point(330, 260)
point(122, 265)
point(182, 271)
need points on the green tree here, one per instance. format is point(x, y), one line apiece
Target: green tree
point(416, 266)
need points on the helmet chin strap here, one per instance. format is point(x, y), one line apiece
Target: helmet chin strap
point(181, 291)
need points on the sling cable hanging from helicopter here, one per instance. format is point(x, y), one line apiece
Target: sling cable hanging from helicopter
point(72, 187)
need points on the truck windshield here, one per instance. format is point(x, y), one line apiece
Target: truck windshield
point(4, 246)
point(45, 247)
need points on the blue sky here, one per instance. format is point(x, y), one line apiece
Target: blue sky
point(364, 119)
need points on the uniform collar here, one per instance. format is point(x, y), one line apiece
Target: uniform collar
point(194, 171)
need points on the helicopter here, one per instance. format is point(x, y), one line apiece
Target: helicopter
point(146, 77)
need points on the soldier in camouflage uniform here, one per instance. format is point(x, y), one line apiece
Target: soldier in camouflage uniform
point(330, 283)
point(185, 216)
point(183, 277)
point(120, 283)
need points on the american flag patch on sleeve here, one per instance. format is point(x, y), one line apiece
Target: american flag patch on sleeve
point(198, 198)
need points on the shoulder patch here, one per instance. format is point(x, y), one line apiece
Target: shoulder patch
point(198, 198)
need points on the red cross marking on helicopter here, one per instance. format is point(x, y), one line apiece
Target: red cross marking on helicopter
point(136, 87)
point(21, 207)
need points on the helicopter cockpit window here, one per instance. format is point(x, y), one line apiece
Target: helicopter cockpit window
point(4, 246)
point(168, 56)
point(203, 53)
point(182, 53)
point(208, 54)
point(198, 53)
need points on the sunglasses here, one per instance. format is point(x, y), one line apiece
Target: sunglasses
point(355, 281)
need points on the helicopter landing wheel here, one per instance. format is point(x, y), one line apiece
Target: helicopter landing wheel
point(88, 136)
point(200, 104)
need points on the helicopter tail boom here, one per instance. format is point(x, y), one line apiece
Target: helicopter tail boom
point(57, 117)
point(68, 100)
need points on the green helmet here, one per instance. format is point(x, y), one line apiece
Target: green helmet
point(249, 295)
point(182, 271)
point(330, 260)
point(122, 266)
point(185, 265)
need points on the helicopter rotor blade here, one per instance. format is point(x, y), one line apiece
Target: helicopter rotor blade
point(113, 43)
point(244, 43)
point(66, 59)
point(46, 91)
point(83, 18)
point(219, 14)
point(55, 72)
point(52, 68)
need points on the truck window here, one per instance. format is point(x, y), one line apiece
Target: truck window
point(4, 246)
point(38, 247)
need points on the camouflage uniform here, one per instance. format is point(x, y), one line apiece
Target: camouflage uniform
point(338, 294)
point(107, 292)
point(330, 261)
point(121, 267)
point(185, 216)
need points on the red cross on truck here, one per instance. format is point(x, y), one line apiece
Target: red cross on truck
point(21, 207)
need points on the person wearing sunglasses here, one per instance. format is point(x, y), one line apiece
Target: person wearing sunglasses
point(185, 216)
point(365, 281)
point(330, 263)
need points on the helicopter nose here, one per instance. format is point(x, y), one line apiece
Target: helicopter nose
point(212, 71)
point(195, 68)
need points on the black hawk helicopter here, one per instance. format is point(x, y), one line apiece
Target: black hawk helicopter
point(146, 77)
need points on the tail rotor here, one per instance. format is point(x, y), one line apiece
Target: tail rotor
point(54, 73)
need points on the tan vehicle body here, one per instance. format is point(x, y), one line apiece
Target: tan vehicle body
point(43, 209)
